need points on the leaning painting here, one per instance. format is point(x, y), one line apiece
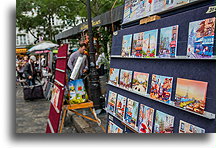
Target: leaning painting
point(191, 95)
point(201, 38)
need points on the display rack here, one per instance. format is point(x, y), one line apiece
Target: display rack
point(181, 66)
point(206, 114)
point(213, 58)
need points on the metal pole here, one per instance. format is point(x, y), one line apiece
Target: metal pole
point(94, 85)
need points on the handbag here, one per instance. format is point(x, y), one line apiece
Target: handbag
point(33, 92)
point(37, 92)
point(27, 91)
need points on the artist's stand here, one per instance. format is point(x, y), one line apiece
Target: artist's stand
point(72, 108)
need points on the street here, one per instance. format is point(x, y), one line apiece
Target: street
point(31, 117)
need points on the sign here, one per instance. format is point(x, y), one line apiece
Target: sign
point(149, 19)
point(211, 9)
point(21, 50)
point(94, 23)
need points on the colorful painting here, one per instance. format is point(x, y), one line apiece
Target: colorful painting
point(111, 102)
point(168, 41)
point(77, 92)
point(159, 5)
point(201, 38)
point(131, 112)
point(55, 97)
point(169, 4)
point(113, 76)
point(185, 127)
point(125, 79)
point(140, 82)
point(161, 88)
point(163, 123)
point(137, 44)
point(113, 128)
point(150, 43)
point(181, 2)
point(120, 106)
point(136, 9)
point(145, 120)
point(191, 95)
point(126, 45)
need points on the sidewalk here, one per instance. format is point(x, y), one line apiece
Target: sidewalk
point(31, 117)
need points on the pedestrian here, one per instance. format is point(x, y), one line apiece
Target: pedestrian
point(29, 71)
point(73, 59)
point(43, 61)
point(101, 64)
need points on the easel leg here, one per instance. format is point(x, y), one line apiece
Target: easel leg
point(98, 120)
point(62, 121)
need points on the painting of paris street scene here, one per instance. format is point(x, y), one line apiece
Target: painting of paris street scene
point(201, 38)
point(191, 95)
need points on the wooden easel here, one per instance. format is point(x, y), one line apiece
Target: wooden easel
point(72, 108)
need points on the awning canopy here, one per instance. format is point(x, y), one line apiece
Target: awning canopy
point(100, 20)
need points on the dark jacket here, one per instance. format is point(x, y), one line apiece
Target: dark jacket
point(28, 71)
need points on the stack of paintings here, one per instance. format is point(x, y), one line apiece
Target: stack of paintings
point(185, 127)
point(125, 79)
point(131, 112)
point(145, 120)
point(163, 123)
point(201, 38)
point(191, 95)
point(111, 102)
point(161, 88)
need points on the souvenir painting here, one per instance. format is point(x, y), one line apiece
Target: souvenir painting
point(113, 76)
point(134, 10)
point(159, 5)
point(201, 38)
point(140, 82)
point(113, 128)
point(181, 2)
point(163, 123)
point(145, 120)
point(149, 43)
point(125, 78)
point(131, 112)
point(120, 106)
point(55, 97)
point(161, 88)
point(77, 91)
point(191, 95)
point(126, 45)
point(111, 101)
point(168, 41)
point(137, 44)
point(185, 127)
point(169, 4)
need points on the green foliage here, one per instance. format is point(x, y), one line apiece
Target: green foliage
point(35, 16)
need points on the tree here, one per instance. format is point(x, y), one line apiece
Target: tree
point(36, 16)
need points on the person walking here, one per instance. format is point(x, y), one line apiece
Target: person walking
point(29, 71)
point(73, 59)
